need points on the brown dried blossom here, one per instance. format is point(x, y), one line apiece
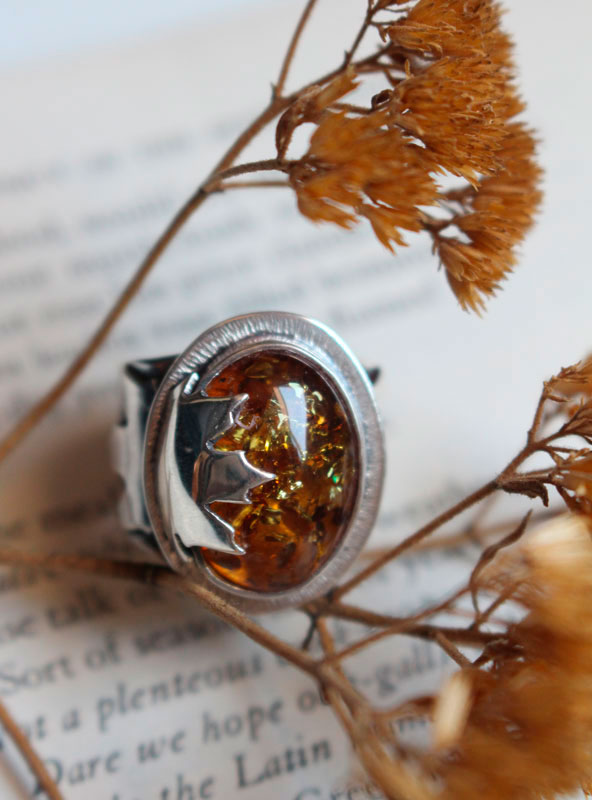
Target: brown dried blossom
point(513, 722)
point(561, 431)
point(567, 397)
point(496, 216)
point(453, 27)
point(574, 381)
point(450, 109)
point(529, 715)
point(356, 167)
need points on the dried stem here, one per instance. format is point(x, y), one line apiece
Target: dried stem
point(156, 575)
point(416, 538)
point(490, 552)
point(271, 184)
point(32, 418)
point(292, 47)
point(451, 650)
point(25, 748)
point(360, 34)
point(265, 165)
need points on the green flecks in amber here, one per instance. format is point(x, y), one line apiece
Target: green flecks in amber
point(294, 426)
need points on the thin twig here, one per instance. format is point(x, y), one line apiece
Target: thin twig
point(354, 700)
point(264, 165)
point(27, 751)
point(487, 613)
point(360, 35)
point(452, 650)
point(489, 554)
point(32, 417)
point(538, 416)
point(292, 47)
point(156, 575)
point(415, 538)
point(468, 636)
point(374, 619)
point(224, 187)
point(463, 536)
point(353, 109)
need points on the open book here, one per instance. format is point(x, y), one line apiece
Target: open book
point(133, 694)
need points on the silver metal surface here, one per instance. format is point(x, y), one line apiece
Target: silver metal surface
point(140, 381)
point(192, 426)
point(183, 473)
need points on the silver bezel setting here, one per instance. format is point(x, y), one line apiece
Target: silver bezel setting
point(318, 346)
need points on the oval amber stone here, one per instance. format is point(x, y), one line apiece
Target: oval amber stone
point(294, 426)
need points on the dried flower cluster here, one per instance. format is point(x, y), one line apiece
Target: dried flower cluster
point(532, 709)
point(516, 722)
point(449, 109)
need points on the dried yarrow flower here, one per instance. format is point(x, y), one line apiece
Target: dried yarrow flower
point(357, 166)
point(531, 707)
point(574, 382)
point(516, 721)
point(449, 109)
point(561, 431)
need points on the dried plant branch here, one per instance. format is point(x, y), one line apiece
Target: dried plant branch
point(156, 575)
point(370, 12)
point(44, 779)
point(292, 47)
point(489, 554)
point(264, 165)
point(271, 184)
point(413, 540)
point(451, 650)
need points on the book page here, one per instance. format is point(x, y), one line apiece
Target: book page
point(129, 693)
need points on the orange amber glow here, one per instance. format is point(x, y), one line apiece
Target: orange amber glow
point(294, 426)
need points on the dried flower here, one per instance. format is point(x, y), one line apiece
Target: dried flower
point(497, 216)
point(532, 707)
point(458, 108)
point(451, 710)
point(573, 380)
point(450, 109)
point(452, 27)
point(357, 166)
point(515, 723)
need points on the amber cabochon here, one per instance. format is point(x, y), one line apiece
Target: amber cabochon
point(295, 426)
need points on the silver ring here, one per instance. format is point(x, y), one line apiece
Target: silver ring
point(254, 459)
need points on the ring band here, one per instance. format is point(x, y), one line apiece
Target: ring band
point(254, 459)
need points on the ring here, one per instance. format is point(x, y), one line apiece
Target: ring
point(254, 459)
